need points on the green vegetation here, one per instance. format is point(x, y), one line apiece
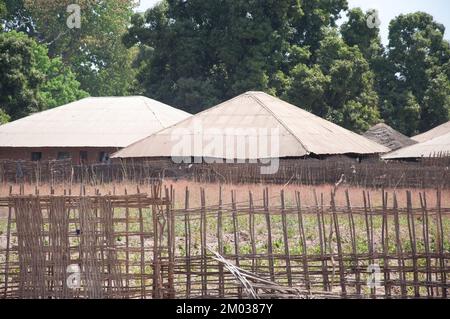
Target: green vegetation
point(194, 54)
point(197, 53)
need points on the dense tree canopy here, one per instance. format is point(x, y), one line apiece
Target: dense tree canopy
point(193, 54)
point(31, 81)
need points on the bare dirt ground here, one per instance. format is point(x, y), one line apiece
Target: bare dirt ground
point(242, 193)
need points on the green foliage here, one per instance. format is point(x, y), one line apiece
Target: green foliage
point(3, 13)
point(339, 87)
point(436, 103)
point(355, 32)
point(219, 49)
point(4, 117)
point(418, 57)
point(15, 16)
point(20, 77)
point(32, 81)
point(95, 52)
point(194, 54)
point(308, 87)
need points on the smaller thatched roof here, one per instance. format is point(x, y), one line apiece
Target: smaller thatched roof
point(437, 147)
point(436, 132)
point(92, 122)
point(385, 135)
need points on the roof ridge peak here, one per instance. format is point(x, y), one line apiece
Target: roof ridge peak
point(279, 120)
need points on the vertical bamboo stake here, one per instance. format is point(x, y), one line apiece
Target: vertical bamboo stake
point(203, 226)
point(141, 230)
point(236, 234)
point(351, 222)
point(269, 234)
point(384, 239)
point(170, 245)
point(286, 240)
point(187, 242)
point(303, 239)
point(440, 231)
point(369, 239)
point(251, 223)
point(426, 239)
point(156, 253)
point(321, 239)
point(220, 246)
point(127, 241)
point(339, 247)
point(412, 240)
point(400, 260)
point(369, 204)
point(8, 243)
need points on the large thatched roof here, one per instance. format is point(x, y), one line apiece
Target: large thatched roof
point(433, 133)
point(300, 133)
point(92, 122)
point(385, 135)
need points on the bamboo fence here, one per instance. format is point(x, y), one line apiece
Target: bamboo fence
point(142, 246)
point(371, 173)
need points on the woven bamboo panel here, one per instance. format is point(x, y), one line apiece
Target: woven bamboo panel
point(140, 246)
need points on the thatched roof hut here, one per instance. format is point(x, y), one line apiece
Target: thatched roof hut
point(436, 147)
point(250, 117)
point(89, 128)
point(433, 133)
point(385, 135)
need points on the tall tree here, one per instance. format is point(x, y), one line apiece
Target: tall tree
point(357, 31)
point(212, 49)
point(418, 54)
point(218, 49)
point(95, 51)
point(436, 102)
point(317, 16)
point(31, 81)
point(195, 53)
point(340, 87)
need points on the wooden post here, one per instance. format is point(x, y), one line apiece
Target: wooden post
point(203, 227)
point(351, 223)
point(220, 246)
point(236, 235)
point(412, 240)
point(303, 240)
point(322, 244)
point(400, 260)
point(426, 239)
point(187, 242)
point(269, 234)
point(286, 240)
point(339, 247)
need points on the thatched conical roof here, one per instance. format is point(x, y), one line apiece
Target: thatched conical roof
point(299, 132)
